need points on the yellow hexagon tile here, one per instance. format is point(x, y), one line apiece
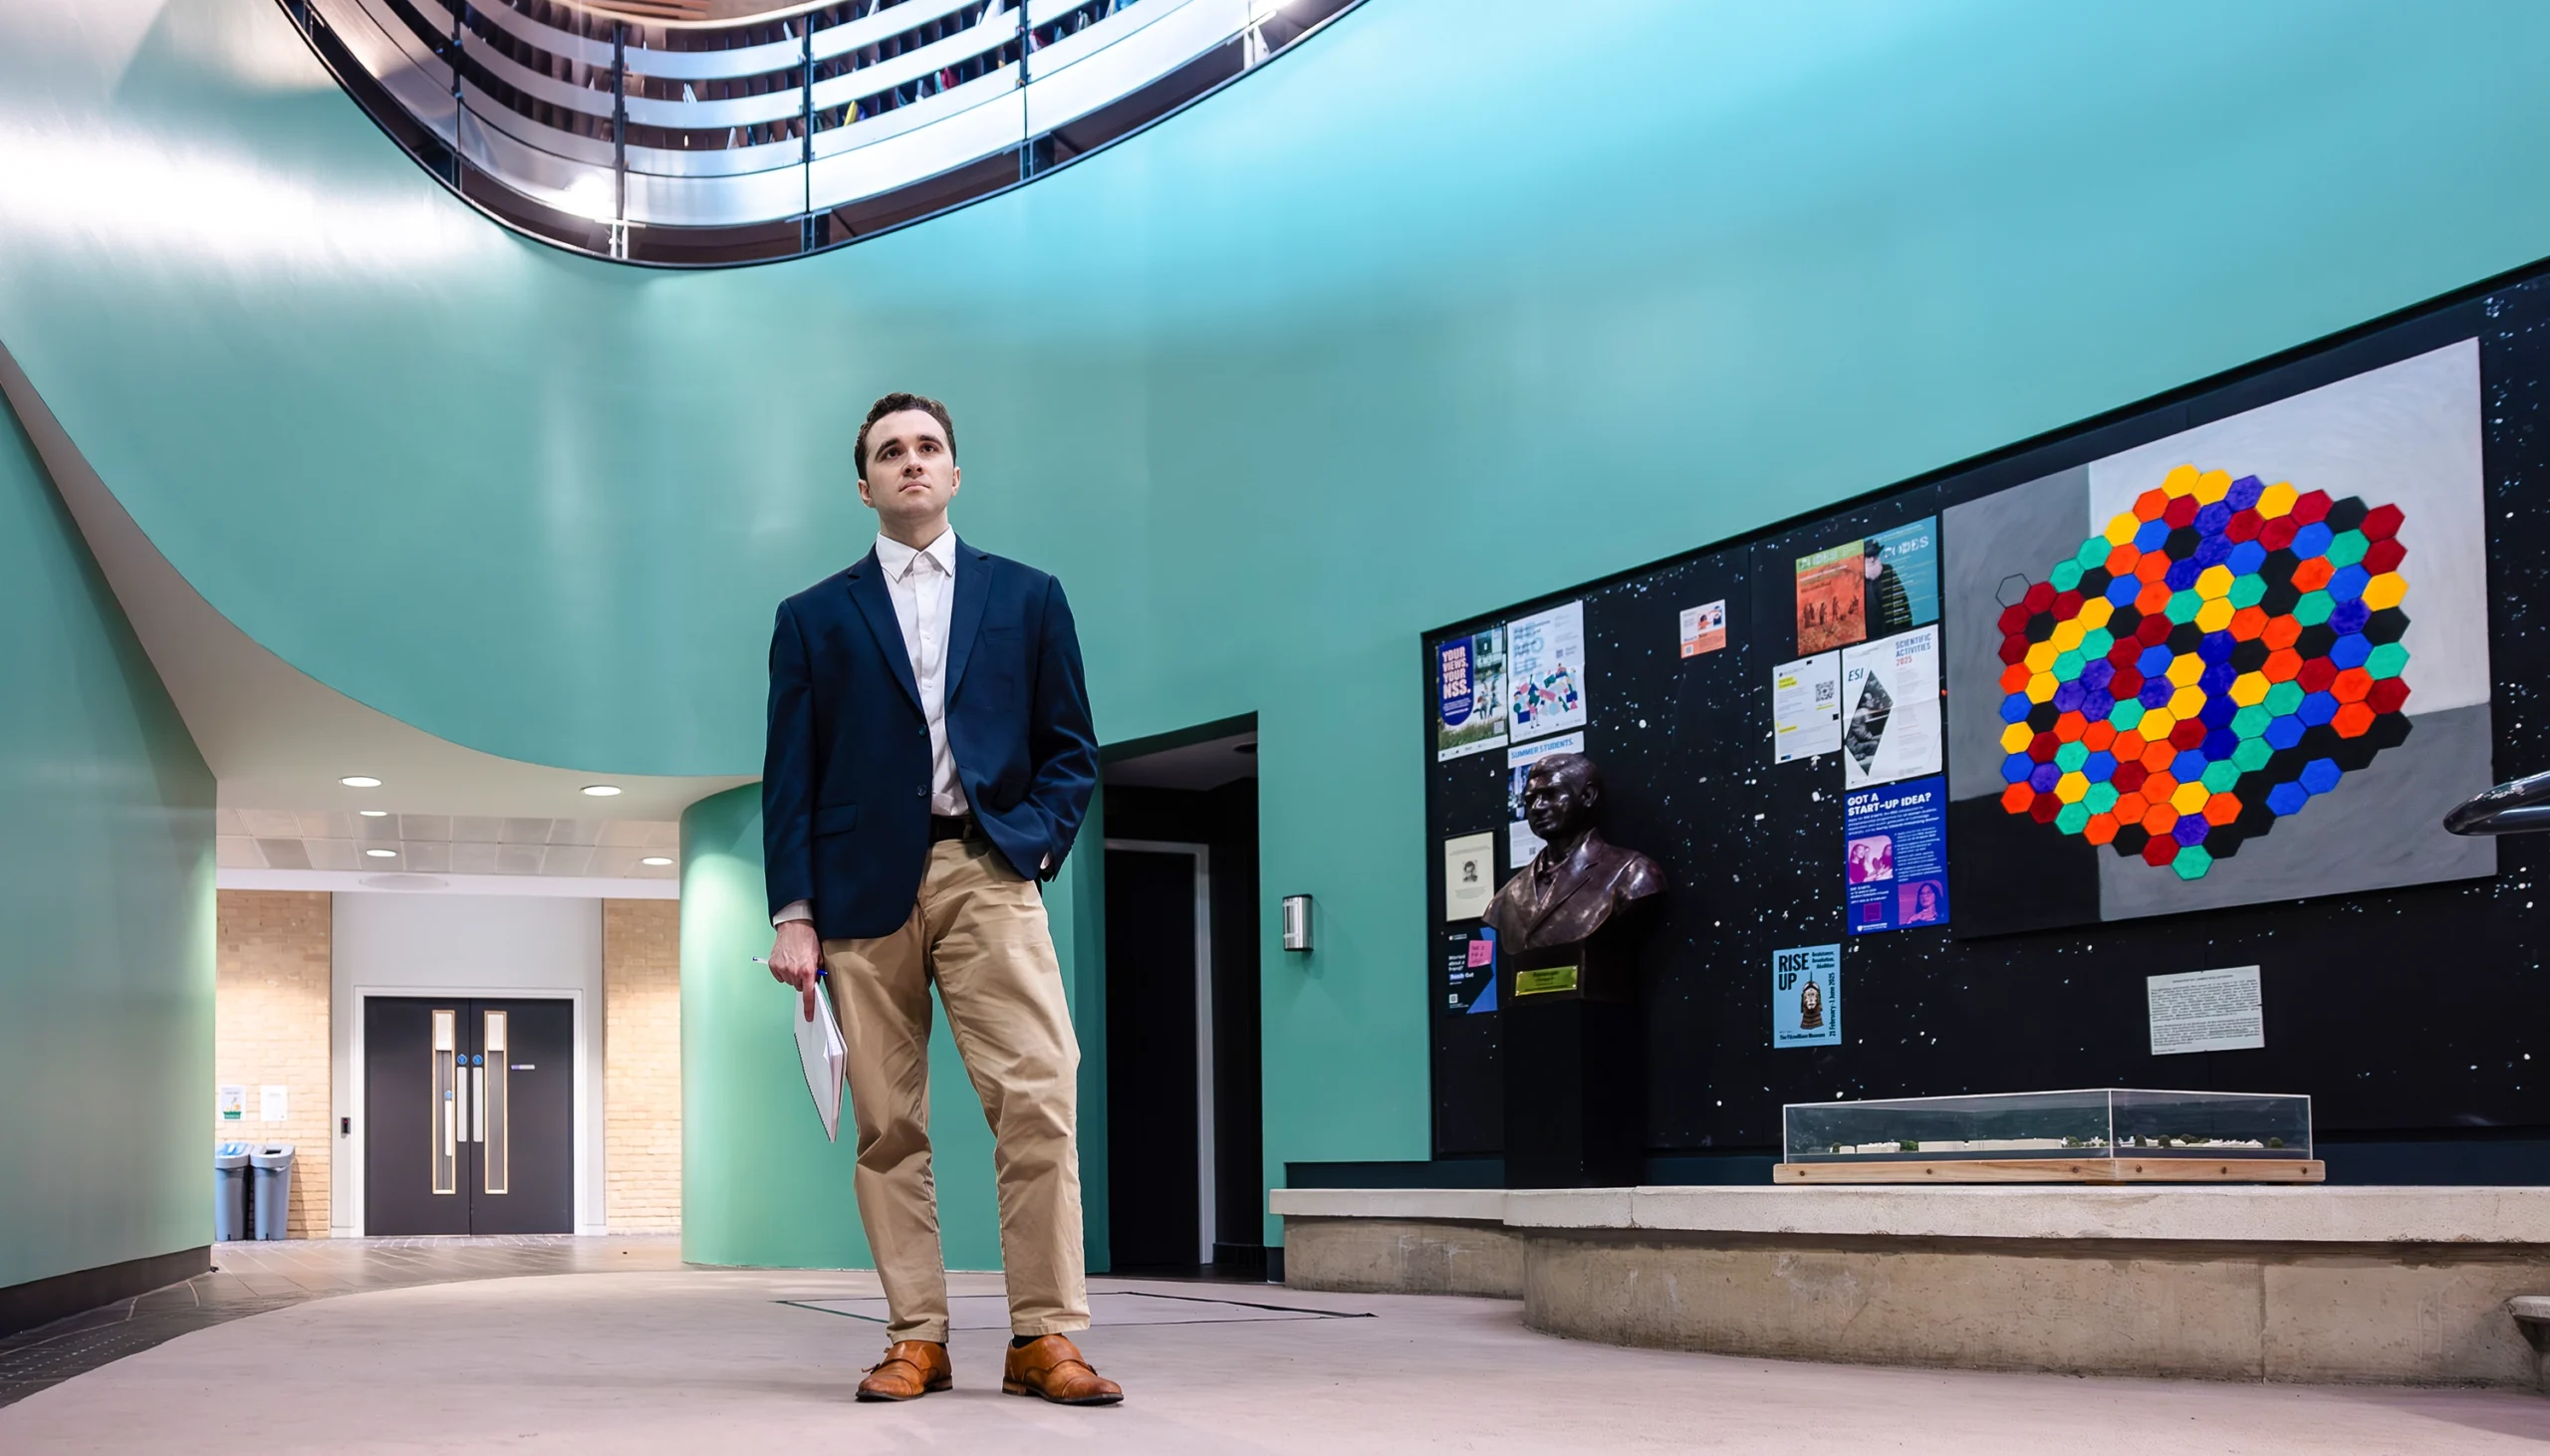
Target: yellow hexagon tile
point(2277, 499)
point(2384, 591)
point(2249, 690)
point(2185, 669)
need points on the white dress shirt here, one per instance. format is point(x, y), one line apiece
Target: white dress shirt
point(923, 585)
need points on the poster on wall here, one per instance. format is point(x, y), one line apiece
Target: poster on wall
point(1831, 605)
point(1891, 708)
point(1469, 875)
point(2206, 1011)
point(1469, 683)
point(1703, 627)
point(1900, 572)
point(2243, 663)
point(1469, 972)
point(230, 1102)
point(1805, 707)
point(1806, 996)
point(1545, 657)
point(1521, 843)
point(1894, 856)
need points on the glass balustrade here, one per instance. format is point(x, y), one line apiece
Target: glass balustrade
point(703, 132)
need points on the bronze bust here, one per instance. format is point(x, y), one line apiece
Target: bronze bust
point(1578, 880)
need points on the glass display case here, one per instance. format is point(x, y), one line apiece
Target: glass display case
point(2093, 1135)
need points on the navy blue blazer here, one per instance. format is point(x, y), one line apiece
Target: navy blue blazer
point(845, 788)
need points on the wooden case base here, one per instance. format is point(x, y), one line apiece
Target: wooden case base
point(2061, 1170)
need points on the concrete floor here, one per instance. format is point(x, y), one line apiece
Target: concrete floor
point(721, 1360)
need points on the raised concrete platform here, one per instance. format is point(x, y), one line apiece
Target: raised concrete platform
point(2390, 1284)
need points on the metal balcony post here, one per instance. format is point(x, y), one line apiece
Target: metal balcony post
point(620, 140)
point(1026, 143)
point(807, 240)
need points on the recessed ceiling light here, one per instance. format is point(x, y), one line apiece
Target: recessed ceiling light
point(602, 791)
point(373, 812)
point(382, 853)
point(360, 781)
point(654, 860)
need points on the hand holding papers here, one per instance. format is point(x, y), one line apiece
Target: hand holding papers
point(823, 1052)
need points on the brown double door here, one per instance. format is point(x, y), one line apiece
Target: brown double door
point(472, 1112)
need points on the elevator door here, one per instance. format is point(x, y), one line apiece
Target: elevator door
point(473, 1112)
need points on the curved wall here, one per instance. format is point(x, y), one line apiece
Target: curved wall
point(1452, 306)
point(106, 922)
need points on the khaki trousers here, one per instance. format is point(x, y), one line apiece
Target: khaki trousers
point(978, 932)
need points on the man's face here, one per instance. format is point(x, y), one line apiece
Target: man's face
point(910, 472)
point(1871, 565)
point(1556, 799)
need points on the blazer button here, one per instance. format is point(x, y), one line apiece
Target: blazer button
point(921, 793)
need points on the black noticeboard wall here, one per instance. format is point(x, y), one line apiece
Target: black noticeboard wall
point(2406, 1011)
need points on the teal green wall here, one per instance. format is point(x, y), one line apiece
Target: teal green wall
point(760, 1186)
point(105, 918)
point(1457, 303)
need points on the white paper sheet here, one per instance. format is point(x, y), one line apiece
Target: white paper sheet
point(824, 1054)
point(1805, 707)
point(1545, 673)
point(2206, 1011)
point(1469, 875)
point(1891, 708)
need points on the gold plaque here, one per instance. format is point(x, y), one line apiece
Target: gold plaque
point(1544, 979)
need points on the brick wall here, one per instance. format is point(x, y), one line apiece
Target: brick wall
point(269, 1026)
point(642, 1062)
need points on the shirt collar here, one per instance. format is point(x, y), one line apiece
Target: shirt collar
point(898, 558)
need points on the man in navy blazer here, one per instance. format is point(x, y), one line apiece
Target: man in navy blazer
point(930, 759)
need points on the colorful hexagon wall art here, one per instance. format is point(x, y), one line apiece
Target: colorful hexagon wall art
point(2220, 655)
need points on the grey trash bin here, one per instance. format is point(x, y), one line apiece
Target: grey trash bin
point(229, 1191)
point(272, 1162)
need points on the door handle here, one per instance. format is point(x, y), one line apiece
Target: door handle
point(493, 1102)
point(477, 1101)
point(445, 1137)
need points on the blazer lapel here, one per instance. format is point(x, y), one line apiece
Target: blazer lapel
point(868, 589)
point(974, 588)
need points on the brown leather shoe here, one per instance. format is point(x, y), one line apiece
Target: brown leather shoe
point(910, 1370)
point(1051, 1367)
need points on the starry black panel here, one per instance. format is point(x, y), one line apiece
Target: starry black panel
point(2398, 1010)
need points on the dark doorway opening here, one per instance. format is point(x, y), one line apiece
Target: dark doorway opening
point(471, 1106)
point(1185, 1170)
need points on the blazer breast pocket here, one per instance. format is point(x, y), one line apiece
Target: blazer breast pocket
point(1000, 653)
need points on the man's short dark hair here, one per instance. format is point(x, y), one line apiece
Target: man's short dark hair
point(896, 403)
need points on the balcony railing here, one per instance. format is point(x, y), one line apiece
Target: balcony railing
point(628, 131)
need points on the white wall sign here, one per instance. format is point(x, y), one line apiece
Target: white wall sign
point(274, 1102)
point(2206, 1011)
